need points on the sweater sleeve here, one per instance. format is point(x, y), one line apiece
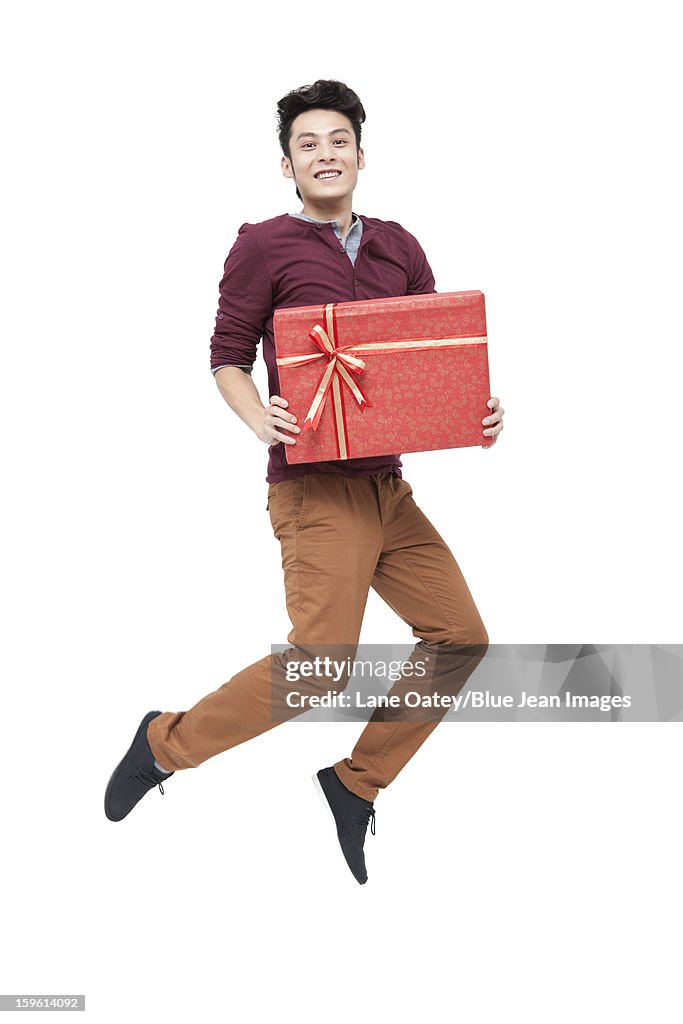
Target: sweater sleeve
point(244, 304)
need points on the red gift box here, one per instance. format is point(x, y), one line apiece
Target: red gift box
point(384, 376)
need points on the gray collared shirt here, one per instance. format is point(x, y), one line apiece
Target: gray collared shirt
point(351, 245)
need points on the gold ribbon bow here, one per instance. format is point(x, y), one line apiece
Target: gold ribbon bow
point(336, 371)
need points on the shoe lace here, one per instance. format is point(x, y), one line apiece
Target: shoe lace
point(146, 777)
point(367, 815)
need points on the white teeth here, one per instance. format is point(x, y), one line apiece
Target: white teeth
point(328, 174)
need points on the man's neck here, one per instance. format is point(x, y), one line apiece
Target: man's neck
point(340, 211)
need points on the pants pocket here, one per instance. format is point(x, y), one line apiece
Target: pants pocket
point(270, 492)
point(287, 503)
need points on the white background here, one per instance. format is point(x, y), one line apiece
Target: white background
point(524, 871)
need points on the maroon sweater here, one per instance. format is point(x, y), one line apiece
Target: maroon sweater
point(287, 261)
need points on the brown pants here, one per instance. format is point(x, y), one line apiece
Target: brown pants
point(340, 536)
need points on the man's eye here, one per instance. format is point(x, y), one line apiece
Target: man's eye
point(343, 142)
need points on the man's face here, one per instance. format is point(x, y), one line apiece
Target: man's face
point(323, 140)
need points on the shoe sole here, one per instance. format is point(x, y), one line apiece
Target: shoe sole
point(143, 725)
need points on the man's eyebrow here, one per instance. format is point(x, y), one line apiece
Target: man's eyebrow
point(312, 135)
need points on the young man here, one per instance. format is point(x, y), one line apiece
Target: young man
point(344, 526)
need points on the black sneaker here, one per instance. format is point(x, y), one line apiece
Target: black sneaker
point(134, 776)
point(351, 814)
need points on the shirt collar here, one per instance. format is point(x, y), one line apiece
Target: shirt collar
point(355, 219)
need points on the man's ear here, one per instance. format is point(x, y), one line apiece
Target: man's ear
point(286, 168)
point(361, 159)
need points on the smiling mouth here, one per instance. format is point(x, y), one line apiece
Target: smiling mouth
point(327, 175)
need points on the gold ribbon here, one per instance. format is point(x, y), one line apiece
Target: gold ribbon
point(341, 362)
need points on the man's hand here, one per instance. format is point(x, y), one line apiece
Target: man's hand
point(275, 420)
point(494, 422)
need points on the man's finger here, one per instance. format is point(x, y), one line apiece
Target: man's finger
point(282, 424)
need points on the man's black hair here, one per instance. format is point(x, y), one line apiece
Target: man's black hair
point(325, 94)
